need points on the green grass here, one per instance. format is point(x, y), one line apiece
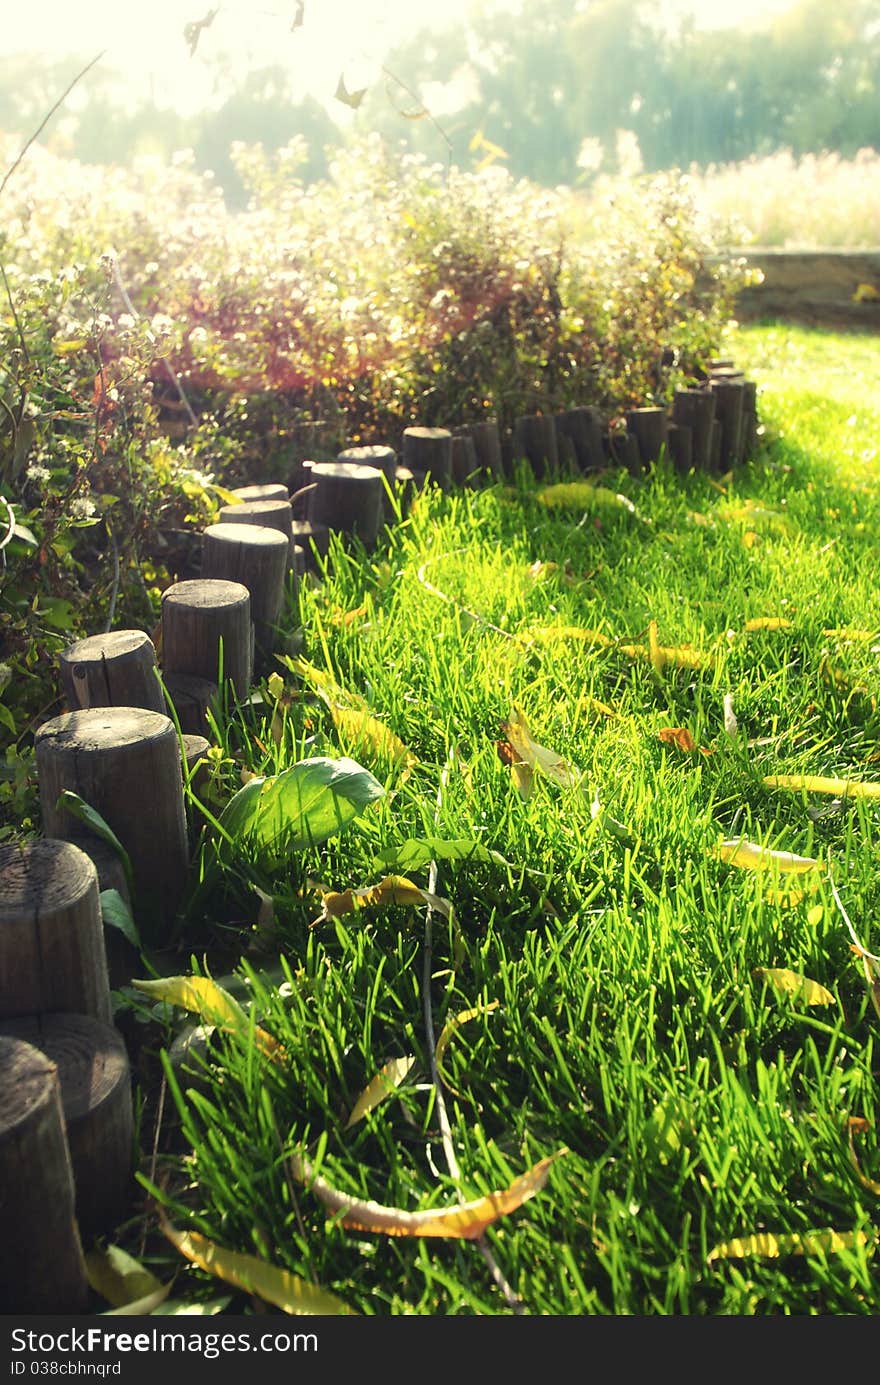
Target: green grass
point(695, 1103)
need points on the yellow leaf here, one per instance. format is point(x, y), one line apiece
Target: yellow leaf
point(815, 915)
point(275, 685)
point(365, 732)
point(765, 1244)
point(323, 683)
point(538, 756)
point(792, 983)
point(392, 889)
point(865, 293)
point(767, 623)
point(276, 1286)
point(464, 1221)
point(749, 538)
point(203, 997)
point(751, 856)
point(449, 1029)
point(382, 1086)
point(817, 783)
point(120, 1278)
point(845, 633)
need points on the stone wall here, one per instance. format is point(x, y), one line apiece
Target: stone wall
point(823, 288)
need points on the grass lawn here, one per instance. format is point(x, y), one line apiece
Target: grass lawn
point(621, 984)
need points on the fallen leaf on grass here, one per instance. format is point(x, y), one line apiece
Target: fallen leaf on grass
point(520, 772)
point(417, 852)
point(537, 756)
point(450, 1028)
point(752, 856)
point(792, 983)
point(681, 737)
point(771, 1247)
point(393, 889)
point(463, 1221)
point(383, 1085)
point(202, 996)
point(270, 1283)
point(366, 732)
point(551, 634)
point(767, 623)
point(817, 783)
point(121, 1279)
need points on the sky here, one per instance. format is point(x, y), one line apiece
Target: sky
point(146, 41)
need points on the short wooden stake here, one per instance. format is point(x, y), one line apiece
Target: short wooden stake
point(348, 498)
point(200, 619)
point(95, 1080)
point(52, 952)
point(534, 440)
point(487, 445)
point(729, 413)
point(695, 409)
point(268, 490)
point(191, 698)
point(427, 453)
point(125, 763)
point(314, 540)
point(681, 447)
point(583, 427)
point(649, 427)
point(117, 669)
point(465, 467)
point(256, 557)
point(42, 1269)
point(715, 446)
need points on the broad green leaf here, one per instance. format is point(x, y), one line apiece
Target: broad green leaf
point(818, 783)
point(417, 852)
point(464, 1221)
point(277, 1286)
point(26, 535)
point(752, 856)
point(300, 807)
point(580, 495)
point(119, 1277)
point(203, 997)
point(771, 1247)
point(792, 983)
point(116, 914)
point(383, 1085)
point(450, 1028)
point(91, 818)
point(667, 1130)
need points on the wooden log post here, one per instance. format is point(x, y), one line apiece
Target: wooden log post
point(749, 419)
point(623, 448)
point(487, 445)
point(125, 763)
point(206, 628)
point(695, 409)
point(348, 499)
point(95, 1080)
point(384, 459)
point(681, 447)
point(465, 467)
point(314, 540)
point(191, 699)
point(405, 488)
point(583, 428)
point(427, 453)
point(300, 490)
point(117, 669)
point(52, 951)
point(42, 1268)
point(268, 490)
point(274, 514)
point(728, 396)
point(256, 557)
point(715, 446)
point(565, 453)
point(534, 441)
point(650, 428)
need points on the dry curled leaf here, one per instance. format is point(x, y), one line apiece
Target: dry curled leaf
point(771, 1247)
point(818, 783)
point(450, 1028)
point(386, 1081)
point(203, 997)
point(752, 856)
point(463, 1221)
point(536, 756)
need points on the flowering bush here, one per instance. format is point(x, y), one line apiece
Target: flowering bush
point(156, 344)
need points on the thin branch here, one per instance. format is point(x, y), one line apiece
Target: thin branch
point(114, 593)
point(45, 121)
point(450, 601)
point(18, 326)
